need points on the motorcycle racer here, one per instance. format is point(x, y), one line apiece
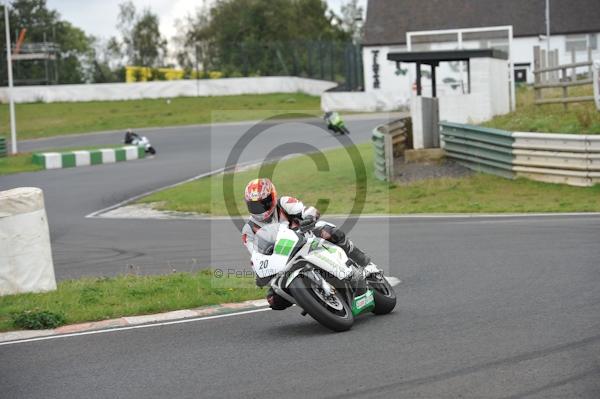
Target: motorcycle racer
point(265, 208)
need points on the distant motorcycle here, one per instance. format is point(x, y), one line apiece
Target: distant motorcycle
point(335, 123)
point(139, 141)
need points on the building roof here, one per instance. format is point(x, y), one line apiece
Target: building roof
point(389, 20)
point(435, 57)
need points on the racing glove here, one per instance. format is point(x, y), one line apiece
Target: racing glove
point(308, 223)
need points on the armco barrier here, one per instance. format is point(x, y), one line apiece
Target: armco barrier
point(69, 159)
point(554, 158)
point(2, 147)
point(389, 142)
point(482, 149)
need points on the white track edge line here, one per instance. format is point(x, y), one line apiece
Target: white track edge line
point(116, 329)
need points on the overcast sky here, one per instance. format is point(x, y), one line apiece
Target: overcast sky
point(98, 17)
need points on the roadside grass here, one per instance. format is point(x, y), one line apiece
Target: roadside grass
point(23, 162)
point(580, 118)
point(94, 299)
point(299, 177)
point(36, 120)
point(18, 164)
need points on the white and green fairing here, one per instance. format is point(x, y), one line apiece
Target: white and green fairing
point(266, 265)
point(320, 253)
point(328, 257)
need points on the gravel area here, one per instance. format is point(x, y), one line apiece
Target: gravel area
point(411, 172)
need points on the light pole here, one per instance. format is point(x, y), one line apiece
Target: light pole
point(13, 126)
point(548, 28)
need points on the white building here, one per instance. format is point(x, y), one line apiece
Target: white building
point(574, 25)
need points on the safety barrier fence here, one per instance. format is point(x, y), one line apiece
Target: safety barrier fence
point(389, 142)
point(166, 89)
point(70, 159)
point(555, 158)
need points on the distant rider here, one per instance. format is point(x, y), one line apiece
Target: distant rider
point(130, 136)
point(265, 208)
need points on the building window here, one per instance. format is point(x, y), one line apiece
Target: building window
point(520, 75)
point(593, 41)
point(576, 43)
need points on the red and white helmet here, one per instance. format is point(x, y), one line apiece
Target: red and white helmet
point(261, 199)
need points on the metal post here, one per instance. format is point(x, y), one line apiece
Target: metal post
point(197, 72)
point(547, 27)
point(511, 73)
point(419, 87)
point(331, 62)
point(433, 80)
point(13, 126)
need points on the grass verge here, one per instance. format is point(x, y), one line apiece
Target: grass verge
point(17, 164)
point(579, 118)
point(299, 177)
point(38, 120)
point(94, 299)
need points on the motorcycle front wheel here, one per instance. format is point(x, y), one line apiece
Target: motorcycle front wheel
point(333, 312)
point(151, 150)
point(383, 294)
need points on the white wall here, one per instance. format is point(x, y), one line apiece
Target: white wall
point(523, 51)
point(489, 94)
point(373, 101)
point(389, 80)
point(167, 89)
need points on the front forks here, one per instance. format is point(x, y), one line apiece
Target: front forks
point(278, 283)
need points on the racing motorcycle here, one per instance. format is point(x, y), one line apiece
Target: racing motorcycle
point(319, 277)
point(140, 142)
point(335, 123)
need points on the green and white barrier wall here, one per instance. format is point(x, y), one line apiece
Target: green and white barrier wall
point(2, 147)
point(555, 158)
point(70, 159)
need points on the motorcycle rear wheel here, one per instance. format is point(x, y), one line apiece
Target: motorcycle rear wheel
point(312, 303)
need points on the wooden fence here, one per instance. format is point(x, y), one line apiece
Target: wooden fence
point(549, 74)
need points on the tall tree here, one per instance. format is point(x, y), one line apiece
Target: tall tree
point(45, 25)
point(352, 19)
point(191, 42)
point(261, 34)
point(149, 48)
point(142, 41)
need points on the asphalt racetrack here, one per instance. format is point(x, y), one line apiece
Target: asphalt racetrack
point(488, 307)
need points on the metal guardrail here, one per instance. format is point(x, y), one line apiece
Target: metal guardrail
point(481, 149)
point(555, 158)
point(389, 142)
point(2, 147)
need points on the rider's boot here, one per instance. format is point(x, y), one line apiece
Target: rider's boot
point(354, 253)
point(276, 302)
point(360, 258)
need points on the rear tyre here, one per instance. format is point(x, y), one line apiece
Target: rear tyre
point(383, 294)
point(303, 291)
